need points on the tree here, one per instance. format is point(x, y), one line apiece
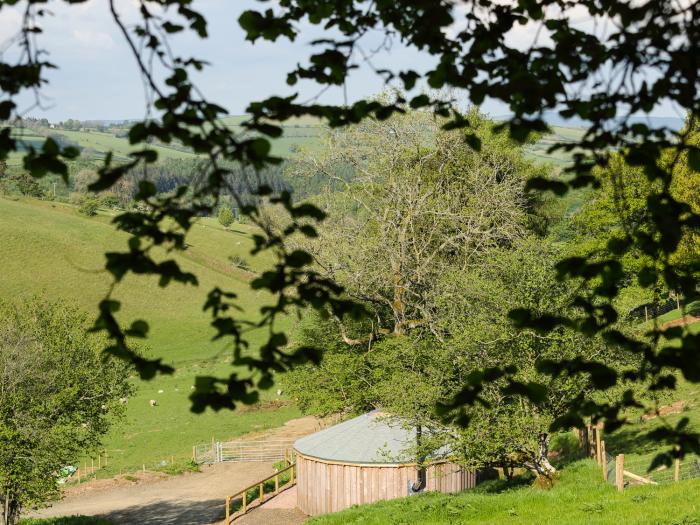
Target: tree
point(58, 397)
point(225, 216)
point(26, 184)
point(435, 240)
point(408, 376)
point(504, 428)
point(88, 205)
point(418, 201)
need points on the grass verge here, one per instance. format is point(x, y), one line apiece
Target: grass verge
point(579, 496)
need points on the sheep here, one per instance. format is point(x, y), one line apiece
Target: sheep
point(153, 402)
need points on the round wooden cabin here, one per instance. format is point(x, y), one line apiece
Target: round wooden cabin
point(362, 461)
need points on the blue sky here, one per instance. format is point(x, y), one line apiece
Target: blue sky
point(97, 77)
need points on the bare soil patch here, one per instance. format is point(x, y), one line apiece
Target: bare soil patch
point(673, 408)
point(193, 498)
point(683, 321)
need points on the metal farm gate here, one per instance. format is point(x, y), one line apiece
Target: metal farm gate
point(243, 450)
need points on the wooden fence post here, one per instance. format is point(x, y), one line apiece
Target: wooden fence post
point(244, 507)
point(261, 493)
point(620, 472)
point(228, 510)
point(597, 444)
point(277, 483)
point(194, 453)
point(604, 460)
point(677, 470)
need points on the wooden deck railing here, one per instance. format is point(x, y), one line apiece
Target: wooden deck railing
point(260, 485)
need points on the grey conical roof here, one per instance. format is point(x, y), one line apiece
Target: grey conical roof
point(369, 438)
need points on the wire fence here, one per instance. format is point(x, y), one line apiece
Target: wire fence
point(656, 309)
point(623, 470)
point(243, 450)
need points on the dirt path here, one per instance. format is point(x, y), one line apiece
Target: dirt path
point(157, 499)
point(196, 498)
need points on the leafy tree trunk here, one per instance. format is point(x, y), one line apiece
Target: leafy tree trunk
point(540, 464)
point(422, 473)
point(9, 509)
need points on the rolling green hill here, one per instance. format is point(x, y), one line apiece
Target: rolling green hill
point(49, 248)
point(298, 133)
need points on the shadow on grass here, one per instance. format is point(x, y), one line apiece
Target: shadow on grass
point(496, 486)
point(693, 308)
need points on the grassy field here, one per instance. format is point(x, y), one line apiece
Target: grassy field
point(302, 132)
point(579, 496)
point(298, 133)
point(48, 248)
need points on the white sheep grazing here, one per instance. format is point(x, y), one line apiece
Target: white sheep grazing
point(153, 402)
point(123, 400)
point(279, 392)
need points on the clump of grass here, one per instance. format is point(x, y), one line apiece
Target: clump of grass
point(175, 469)
point(239, 262)
point(68, 520)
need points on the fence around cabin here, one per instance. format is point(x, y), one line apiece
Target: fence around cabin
point(623, 470)
point(242, 450)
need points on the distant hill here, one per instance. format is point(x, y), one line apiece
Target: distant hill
point(554, 119)
point(299, 133)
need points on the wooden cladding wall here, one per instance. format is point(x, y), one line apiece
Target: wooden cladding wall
point(324, 487)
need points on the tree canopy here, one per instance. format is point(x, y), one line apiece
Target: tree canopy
point(626, 58)
point(58, 397)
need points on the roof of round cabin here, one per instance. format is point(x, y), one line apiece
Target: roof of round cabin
point(369, 438)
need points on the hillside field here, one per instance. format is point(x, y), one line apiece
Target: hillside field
point(48, 248)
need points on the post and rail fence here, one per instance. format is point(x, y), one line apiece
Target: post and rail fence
point(623, 470)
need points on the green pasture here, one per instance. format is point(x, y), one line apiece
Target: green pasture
point(297, 133)
point(99, 143)
point(48, 248)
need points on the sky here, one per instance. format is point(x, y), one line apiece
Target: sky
point(97, 77)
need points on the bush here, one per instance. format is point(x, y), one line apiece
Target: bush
point(175, 469)
point(239, 262)
point(88, 206)
point(108, 200)
point(226, 216)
